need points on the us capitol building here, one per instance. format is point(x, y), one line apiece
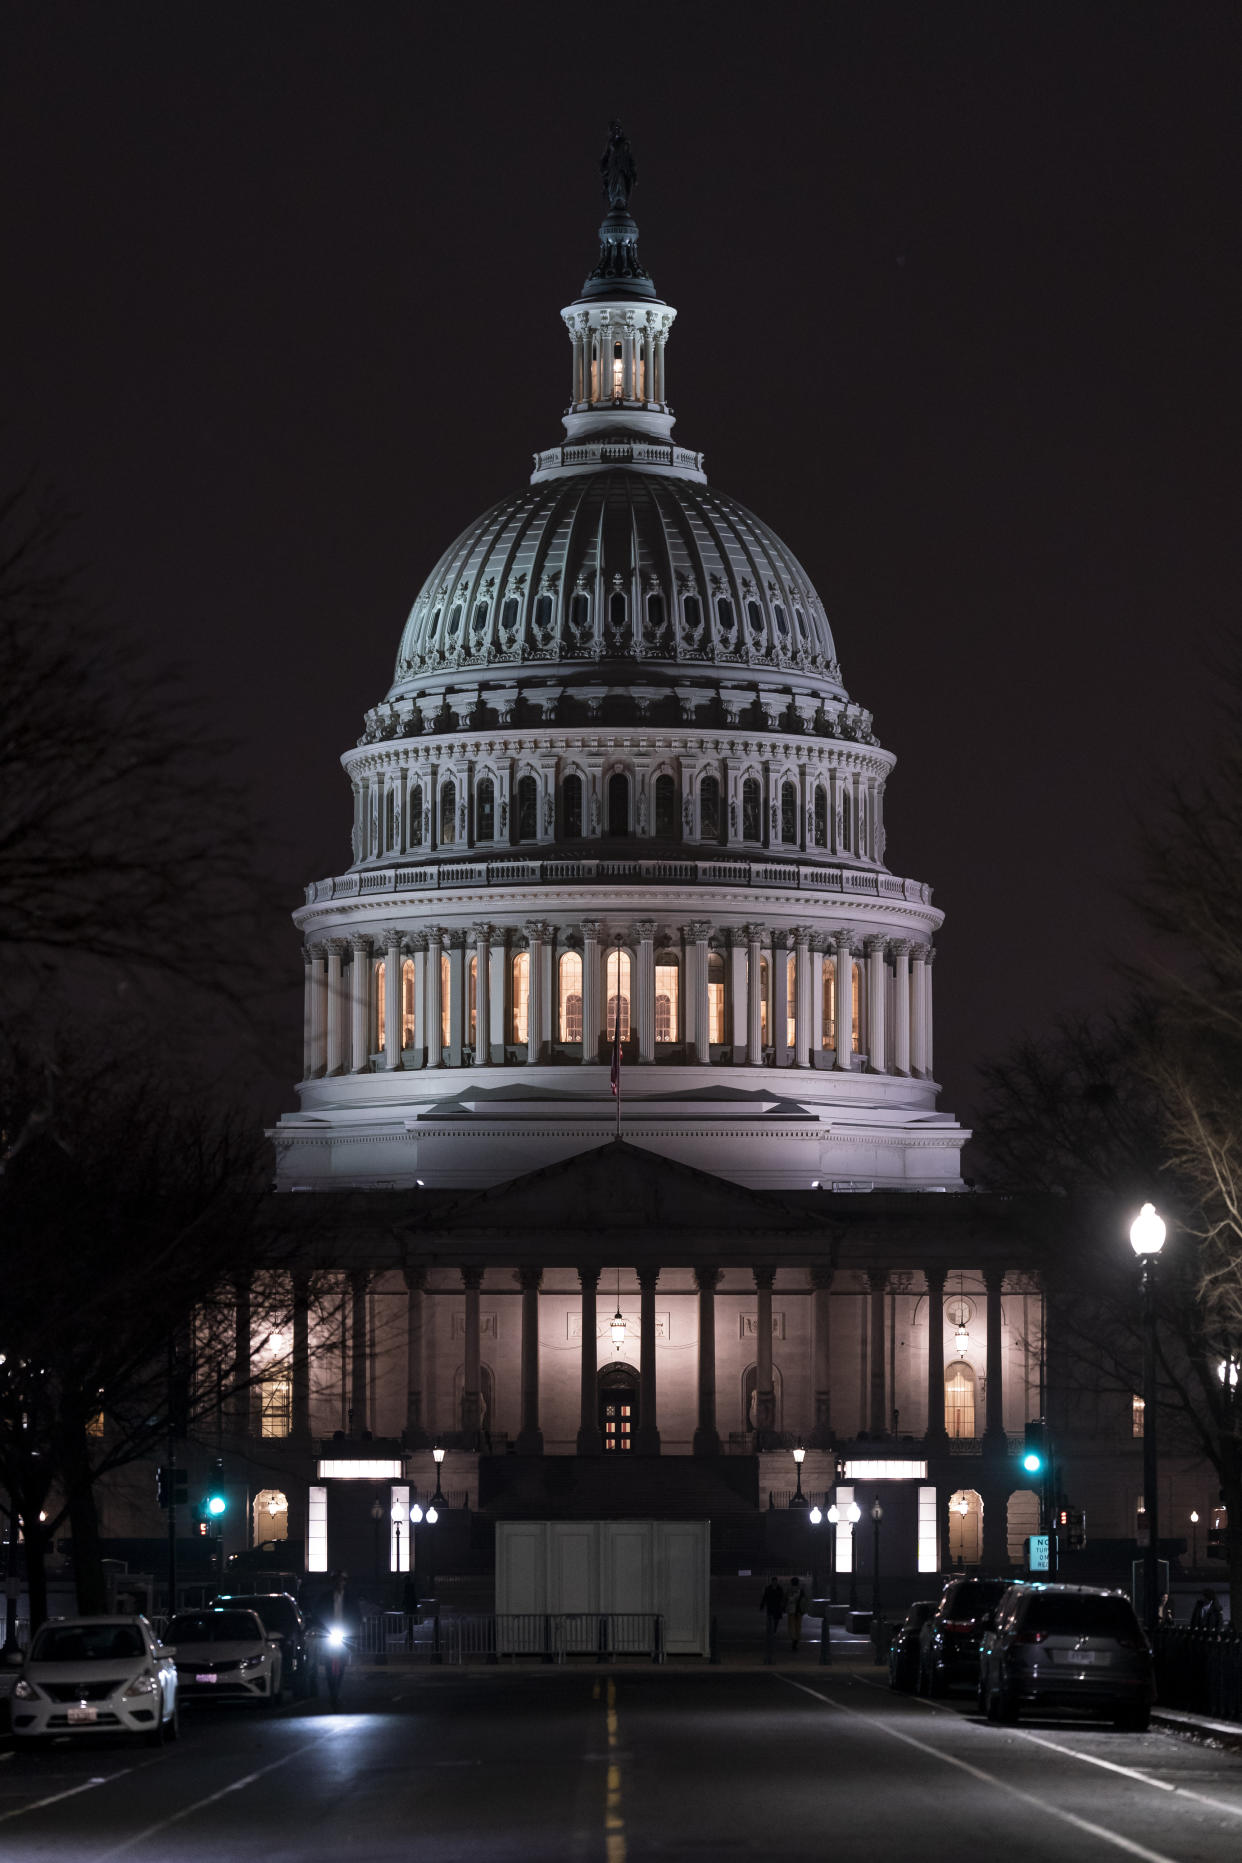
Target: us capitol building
point(617, 796)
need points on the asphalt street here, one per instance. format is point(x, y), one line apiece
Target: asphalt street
point(789, 1762)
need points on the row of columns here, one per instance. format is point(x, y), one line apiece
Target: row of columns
point(340, 1002)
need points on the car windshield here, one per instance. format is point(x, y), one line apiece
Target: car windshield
point(214, 1627)
point(974, 1597)
point(1069, 1613)
point(274, 1613)
point(87, 1643)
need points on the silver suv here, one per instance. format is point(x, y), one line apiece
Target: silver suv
point(1066, 1646)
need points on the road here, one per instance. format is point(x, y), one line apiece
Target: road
point(793, 1762)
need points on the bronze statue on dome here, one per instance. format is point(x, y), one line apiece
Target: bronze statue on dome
point(616, 165)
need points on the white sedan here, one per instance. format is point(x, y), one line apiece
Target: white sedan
point(95, 1675)
point(225, 1654)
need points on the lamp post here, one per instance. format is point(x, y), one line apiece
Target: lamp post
point(877, 1515)
point(398, 1515)
point(437, 1499)
point(853, 1513)
point(799, 1499)
point(1194, 1531)
point(1147, 1233)
point(377, 1514)
point(832, 1516)
point(825, 1636)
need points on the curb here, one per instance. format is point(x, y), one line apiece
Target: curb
point(1198, 1727)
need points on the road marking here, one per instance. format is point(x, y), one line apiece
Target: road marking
point(976, 1772)
point(201, 1804)
point(56, 1797)
point(614, 1823)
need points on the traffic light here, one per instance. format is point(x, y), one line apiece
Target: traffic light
point(1035, 1448)
point(1075, 1519)
point(217, 1502)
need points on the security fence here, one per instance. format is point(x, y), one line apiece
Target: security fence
point(494, 1636)
point(1200, 1671)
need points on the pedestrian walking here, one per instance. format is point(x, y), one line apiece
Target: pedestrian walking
point(1207, 1612)
point(772, 1604)
point(795, 1606)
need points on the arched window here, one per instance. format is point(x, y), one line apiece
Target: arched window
point(965, 1528)
point(435, 622)
point(479, 625)
point(527, 808)
point(665, 807)
point(750, 810)
point(959, 1400)
point(765, 991)
point(618, 372)
point(446, 998)
point(448, 813)
point(618, 803)
point(407, 1003)
point(381, 1007)
point(390, 820)
point(543, 612)
point(800, 618)
point(667, 1024)
point(821, 816)
point(616, 610)
point(791, 998)
point(1021, 1520)
point(724, 614)
point(485, 809)
point(509, 615)
point(414, 829)
point(655, 613)
point(519, 1025)
point(454, 621)
point(829, 998)
point(782, 622)
point(789, 813)
point(571, 807)
point(618, 992)
point(569, 997)
point(692, 608)
point(847, 835)
point(580, 613)
point(754, 614)
point(709, 809)
point(716, 998)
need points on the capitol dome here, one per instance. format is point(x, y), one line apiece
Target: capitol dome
point(617, 797)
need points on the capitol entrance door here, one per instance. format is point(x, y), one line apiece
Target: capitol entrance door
point(618, 1409)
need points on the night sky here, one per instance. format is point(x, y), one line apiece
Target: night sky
point(958, 296)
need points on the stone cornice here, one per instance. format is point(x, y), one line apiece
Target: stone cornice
point(496, 747)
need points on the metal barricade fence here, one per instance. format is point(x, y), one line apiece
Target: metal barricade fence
point(1200, 1671)
point(493, 1636)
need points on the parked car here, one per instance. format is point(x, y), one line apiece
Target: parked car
point(949, 1640)
point(903, 1651)
point(1066, 1646)
point(95, 1675)
point(225, 1654)
point(281, 1618)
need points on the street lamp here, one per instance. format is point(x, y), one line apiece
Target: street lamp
point(853, 1513)
point(799, 1499)
point(1147, 1233)
point(398, 1515)
point(437, 1499)
point(377, 1514)
point(1194, 1529)
point(877, 1514)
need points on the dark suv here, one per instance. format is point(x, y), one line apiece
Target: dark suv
point(281, 1618)
point(950, 1639)
point(1066, 1646)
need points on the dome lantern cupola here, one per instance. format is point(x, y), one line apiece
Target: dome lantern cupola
point(618, 326)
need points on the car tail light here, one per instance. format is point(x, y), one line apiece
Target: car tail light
point(959, 1627)
point(1030, 1636)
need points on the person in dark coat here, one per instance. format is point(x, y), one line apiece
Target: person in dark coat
point(773, 1602)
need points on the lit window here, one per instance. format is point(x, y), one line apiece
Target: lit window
point(666, 1023)
point(521, 996)
point(407, 1003)
point(791, 999)
point(1137, 1411)
point(570, 996)
point(276, 1406)
point(317, 1530)
point(959, 1401)
point(856, 1010)
point(473, 1007)
point(619, 992)
point(928, 1554)
point(618, 372)
point(764, 989)
point(715, 998)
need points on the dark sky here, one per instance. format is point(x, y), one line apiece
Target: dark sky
point(958, 295)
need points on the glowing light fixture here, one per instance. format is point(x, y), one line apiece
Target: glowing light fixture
point(1147, 1232)
point(617, 1329)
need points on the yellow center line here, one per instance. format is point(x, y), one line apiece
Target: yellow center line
point(614, 1823)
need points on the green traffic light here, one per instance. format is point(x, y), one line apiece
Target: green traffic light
point(216, 1504)
point(1032, 1462)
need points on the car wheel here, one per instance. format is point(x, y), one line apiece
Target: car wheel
point(1131, 1720)
point(154, 1737)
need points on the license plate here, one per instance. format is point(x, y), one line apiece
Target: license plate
point(205, 1678)
point(1083, 1658)
point(78, 1715)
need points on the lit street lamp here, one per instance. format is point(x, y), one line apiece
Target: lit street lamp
point(816, 1517)
point(437, 1499)
point(1194, 1530)
point(377, 1514)
point(799, 1499)
point(1147, 1233)
point(877, 1515)
point(853, 1513)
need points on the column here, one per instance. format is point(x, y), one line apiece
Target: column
point(530, 1436)
point(821, 1353)
point(497, 977)
point(802, 996)
point(472, 1281)
point(739, 999)
point(336, 1021)
point(627, 362)
point(754, 996)
point(918, 1011)
point(994, 1440)
point(308, 1013)
point(300, 1364)
point(434, 1043)
point(359, 1355)
point(456, 942)
point(360, 1003)
point(877, 991)
point(647, 1441)
point(482, 996)
point(706, 1436)
point(417, 946)
point(644, 989)
point(242, 1391)
point(534, 1006)
point(778, 1027)
point(414, 1436)
point(834, 810)
point(648, 363)
point(392, 997)
point(878, 1419)
point(937, 1436)
point(590, 1442)
point(590, 989)
point(928, 1044)
point(844, 973)
point(699, 932)
point(765, 1396)
point(900, 949)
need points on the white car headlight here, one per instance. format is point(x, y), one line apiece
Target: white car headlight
point(25, 1691)
point(253, 1662)
point(142, 1685)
